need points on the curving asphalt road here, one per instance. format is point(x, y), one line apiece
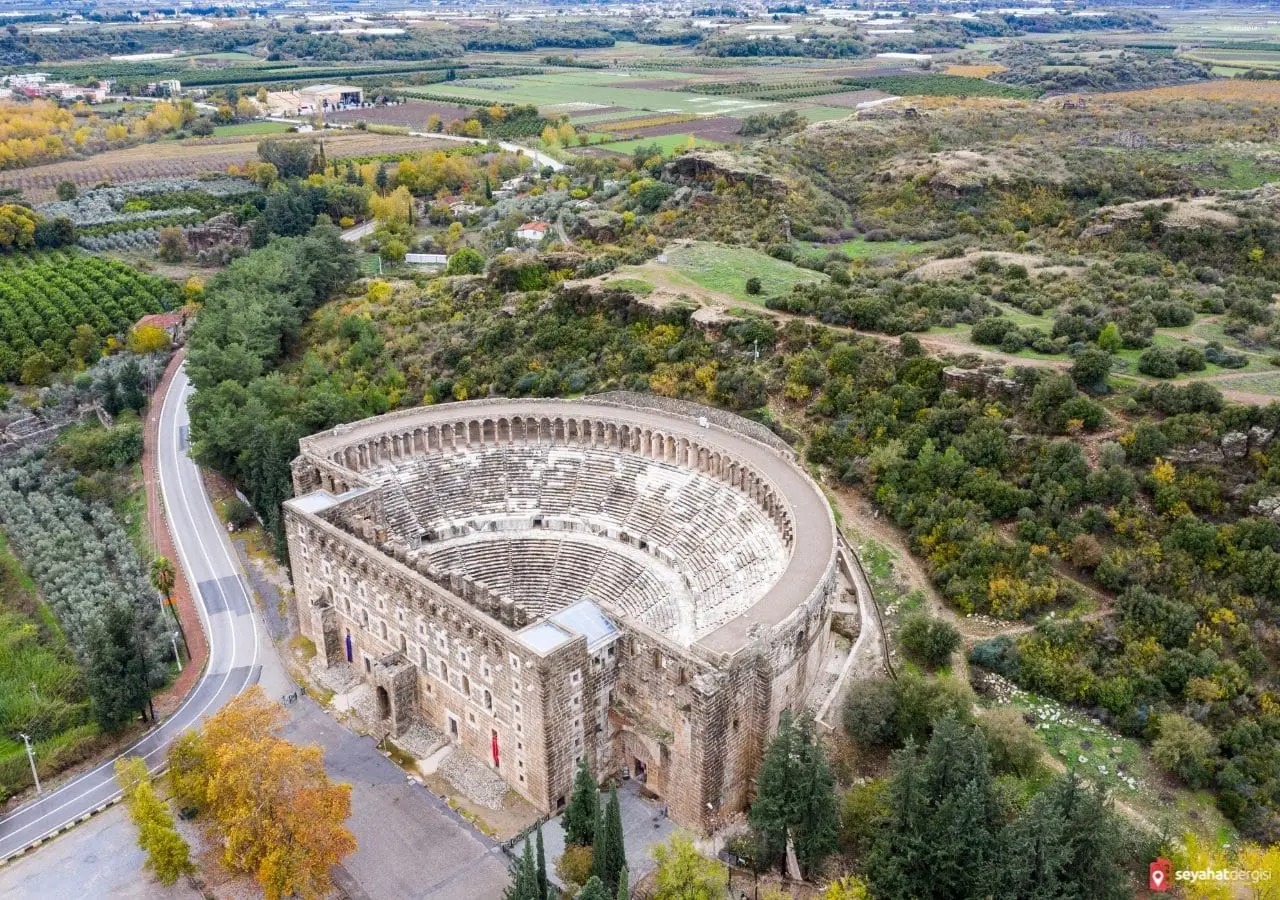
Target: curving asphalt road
point(226, 613)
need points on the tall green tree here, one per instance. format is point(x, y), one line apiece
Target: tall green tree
point(796, 797)
point(541, 855)
point(610, 859)
point(583, 811)
point(624, 886)
point(593, 890)
point(942, 837)
point(115, 668)
point(524, 878)
point(1067, 843)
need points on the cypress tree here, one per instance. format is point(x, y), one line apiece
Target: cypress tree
point(610, 857)
point(624, 889)
point(524, 877)
point(583, 810)
point(115, 669)
point(942, 837)
point(541, 854)
point(816, 826)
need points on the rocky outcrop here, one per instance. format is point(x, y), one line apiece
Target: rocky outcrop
point(217, 233)
point(1204, 453)
point(603, 226)
point(1235, 445)
point(981, 383)
point(704, 168)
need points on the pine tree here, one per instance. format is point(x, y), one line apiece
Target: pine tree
point(941, 839)
point(1068, 843)
point(795, 796)
point(524, 877)
point(610, 857)
point(542, 867)
point(583, 810)
point(593, 890)
point(115, 670)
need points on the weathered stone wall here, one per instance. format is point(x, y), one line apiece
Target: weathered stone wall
point(696, 717)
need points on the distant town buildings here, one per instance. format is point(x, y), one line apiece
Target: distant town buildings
point(35, 85)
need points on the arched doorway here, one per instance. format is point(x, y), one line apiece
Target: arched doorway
point(384, 703)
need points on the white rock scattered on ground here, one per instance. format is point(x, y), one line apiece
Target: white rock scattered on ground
point(419, 740)
point(479, 783)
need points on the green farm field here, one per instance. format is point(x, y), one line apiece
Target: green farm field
point(249, 128)
point(569, 90)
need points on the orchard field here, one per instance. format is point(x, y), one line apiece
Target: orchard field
point(45, 299)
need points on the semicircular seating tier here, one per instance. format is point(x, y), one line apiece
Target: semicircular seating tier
point(668, 546)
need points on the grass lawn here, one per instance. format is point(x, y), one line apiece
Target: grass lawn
point(1097, 753)
point(250, 128)
point(860, 248)
point(635, 285)
point(725, 270)
point(668, 143)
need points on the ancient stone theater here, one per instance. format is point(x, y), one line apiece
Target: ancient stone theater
point(642, 582)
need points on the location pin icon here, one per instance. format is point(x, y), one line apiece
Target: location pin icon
point(1159, 875)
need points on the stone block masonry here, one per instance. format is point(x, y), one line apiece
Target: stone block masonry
point(646, 586)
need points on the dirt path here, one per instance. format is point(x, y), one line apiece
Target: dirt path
point(670, 287)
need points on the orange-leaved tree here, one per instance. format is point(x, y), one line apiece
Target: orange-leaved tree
point(279, 815)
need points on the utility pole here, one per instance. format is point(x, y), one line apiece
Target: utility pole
point(177, 657)
point(31, 757)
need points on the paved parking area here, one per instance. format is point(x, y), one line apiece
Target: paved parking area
point(411, 843)
point(643, 827)
point(98, 859)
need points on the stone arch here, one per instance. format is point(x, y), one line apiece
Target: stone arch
point(384, 703)
point(474, 436)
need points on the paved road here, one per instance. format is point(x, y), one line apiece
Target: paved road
point(358, 231)
point(225, 612)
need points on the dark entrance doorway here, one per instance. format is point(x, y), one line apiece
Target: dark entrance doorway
point(349, 657)
point(639, 769)
point(384, 703)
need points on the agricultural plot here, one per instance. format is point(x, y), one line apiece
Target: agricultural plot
point(667, 143)
point(186, 159)
point(38, 680)
point(43, 299)
point(593, 90)
point(411, 114)
point(247, 128)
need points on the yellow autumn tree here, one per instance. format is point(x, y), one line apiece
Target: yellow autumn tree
point(148, 339)
point(278, 814)
point(396, 206)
